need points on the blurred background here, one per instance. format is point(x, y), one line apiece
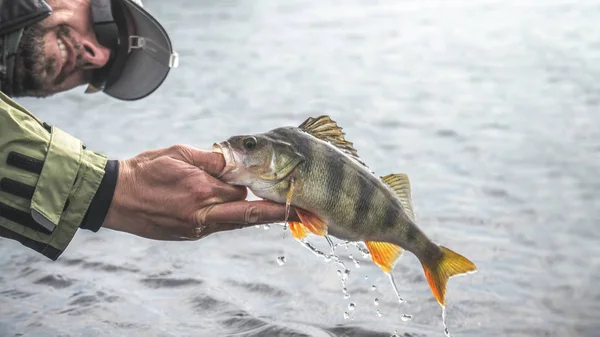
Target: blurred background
point(491, 107)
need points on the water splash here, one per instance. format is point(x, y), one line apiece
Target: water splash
point(288, 202)
point(314, 250)
point(356, 264)
point(400, 299)
point(281, 260)
point(363, 250)
point(373, 287)
point(343, 275)
point(351, 306)
point(346, 315)
point(266, 227)
point(331, 245)
point(378, 313)
point(346, 272)
point(376, 301)
point(446, 332)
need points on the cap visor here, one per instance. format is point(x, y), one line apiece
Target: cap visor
point(145, 68)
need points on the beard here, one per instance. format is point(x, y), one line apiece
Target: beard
point(33, 68)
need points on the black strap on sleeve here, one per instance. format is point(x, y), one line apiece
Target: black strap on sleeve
point(17, 188)
point(22, 218)
point(25, 162)
point(94, 218)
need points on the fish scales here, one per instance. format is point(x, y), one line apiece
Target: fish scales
point(345, 193)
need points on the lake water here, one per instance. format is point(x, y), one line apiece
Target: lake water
point(491, 107)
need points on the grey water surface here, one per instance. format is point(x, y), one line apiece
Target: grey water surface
point(492, 107)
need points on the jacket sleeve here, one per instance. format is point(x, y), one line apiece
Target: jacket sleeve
point(50, 185)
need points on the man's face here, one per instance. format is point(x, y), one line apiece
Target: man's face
point(60, 52)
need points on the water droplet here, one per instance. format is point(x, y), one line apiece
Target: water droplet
point(346, 296)
point(351, 306)
point(266, 227)
point(281, 260)
point(400, 299)
point(406, 317)
point(257, 226)
point(346, 315)
point(376, 301)
point(366, 277)
point(373, 287)
point(345, 275)
point(339, 272)
point(379, 314)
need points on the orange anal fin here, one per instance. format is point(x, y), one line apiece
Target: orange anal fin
point(298, 230)
point(312, 222)
point(384, 254)
point(438, 272)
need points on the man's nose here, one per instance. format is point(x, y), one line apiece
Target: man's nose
point(94, 55)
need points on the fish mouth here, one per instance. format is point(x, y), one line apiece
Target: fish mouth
point(225, 149)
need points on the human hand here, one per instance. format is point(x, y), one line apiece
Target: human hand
point(171, 194)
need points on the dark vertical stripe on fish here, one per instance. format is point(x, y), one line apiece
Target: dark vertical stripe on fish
point(334, 177)
point(411, 233)
point(391, 215)
point(366, 191)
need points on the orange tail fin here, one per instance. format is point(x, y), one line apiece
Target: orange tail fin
point(438, 272)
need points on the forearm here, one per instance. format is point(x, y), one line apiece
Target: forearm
point(51, 189)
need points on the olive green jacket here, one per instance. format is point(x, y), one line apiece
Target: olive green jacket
point(47, 181)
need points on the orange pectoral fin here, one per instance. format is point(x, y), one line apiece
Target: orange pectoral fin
point(298, 230)
point(384, 254)
point(312, 222)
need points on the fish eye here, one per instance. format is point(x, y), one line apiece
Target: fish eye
point(250, 143)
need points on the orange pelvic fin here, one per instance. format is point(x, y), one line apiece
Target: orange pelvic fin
point(312, 222)
point(298, 230)
point(384, 254)
point(438, 272)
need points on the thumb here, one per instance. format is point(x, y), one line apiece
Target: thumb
point(211, 162)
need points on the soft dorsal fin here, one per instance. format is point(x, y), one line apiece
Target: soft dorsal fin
point(324, 128)
point(401, 185)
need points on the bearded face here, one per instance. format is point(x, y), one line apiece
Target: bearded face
point(58, 53)
point(36, 73)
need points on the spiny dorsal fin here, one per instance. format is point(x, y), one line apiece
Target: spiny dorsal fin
point(401, 185)
point(324, 128)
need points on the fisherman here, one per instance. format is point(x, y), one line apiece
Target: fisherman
point(50, 183)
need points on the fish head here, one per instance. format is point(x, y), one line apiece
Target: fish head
point(257, 161)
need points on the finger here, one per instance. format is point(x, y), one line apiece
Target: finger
point(244, 213)
point(220, 192)
point(211, 162)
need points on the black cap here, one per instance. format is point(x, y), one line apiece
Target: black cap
point(143, 58)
